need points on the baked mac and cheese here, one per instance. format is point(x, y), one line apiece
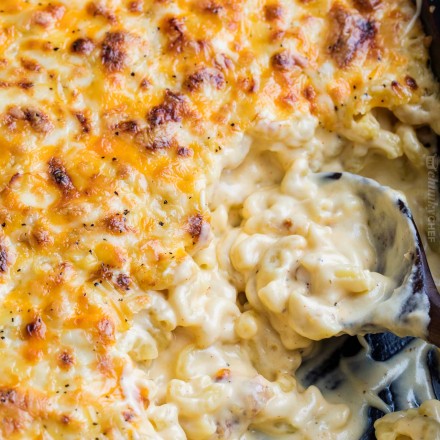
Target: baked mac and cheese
point(166, 261)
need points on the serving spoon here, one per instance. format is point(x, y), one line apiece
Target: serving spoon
point(412, 308)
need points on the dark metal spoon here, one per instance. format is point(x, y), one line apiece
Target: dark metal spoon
point(412, 308)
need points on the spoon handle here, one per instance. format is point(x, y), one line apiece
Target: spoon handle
point(424, 283)
point(431, 21)
point(434, 300)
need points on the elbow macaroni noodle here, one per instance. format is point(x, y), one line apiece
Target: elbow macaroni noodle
point(304, 262)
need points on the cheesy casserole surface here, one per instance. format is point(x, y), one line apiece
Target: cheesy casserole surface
point(166, 259)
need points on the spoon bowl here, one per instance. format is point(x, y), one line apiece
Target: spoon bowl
point(412, 306)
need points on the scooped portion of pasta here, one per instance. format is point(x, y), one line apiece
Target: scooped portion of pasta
point(417, 423)
point(166, 260)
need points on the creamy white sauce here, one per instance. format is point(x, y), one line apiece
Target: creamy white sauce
point(305, 257)
point(358, 380)
point(403, 305)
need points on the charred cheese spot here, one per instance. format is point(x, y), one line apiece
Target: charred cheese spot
point(212, 7)
point(7, 396)
point(59, 176)
point(130, 126)
point(49, 16)
point(350, 34)
point(63, 272)
point(175, 29)
point(273, 11)
point(114, 51)
point(367, 5)
point(144, 84)
point(116, 223)
point(36, 119)
point(25, 85)
point(173, 109)
point(104, 272)
point(12, 180)
point(84, 122)
point(22, 84)
point(4, 258)
point(83, 46)
point(128, 416)
point(284, 61)
point(18, 408)
point(411, 82)
point(223, 375)
point(35, 329)
point(31, 65)
point(195, 225)
point(99, 9)
point(204, 76)
point(311, 96)
point(123, 281)
point(66, 360)
point(155, 142)
point(185, 152)
point(398, 89)
point(309, 93)
point(42, 237)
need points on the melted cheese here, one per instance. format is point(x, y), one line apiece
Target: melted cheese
point(118, 121)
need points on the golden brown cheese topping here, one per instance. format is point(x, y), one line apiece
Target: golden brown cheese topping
point(114, 118)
